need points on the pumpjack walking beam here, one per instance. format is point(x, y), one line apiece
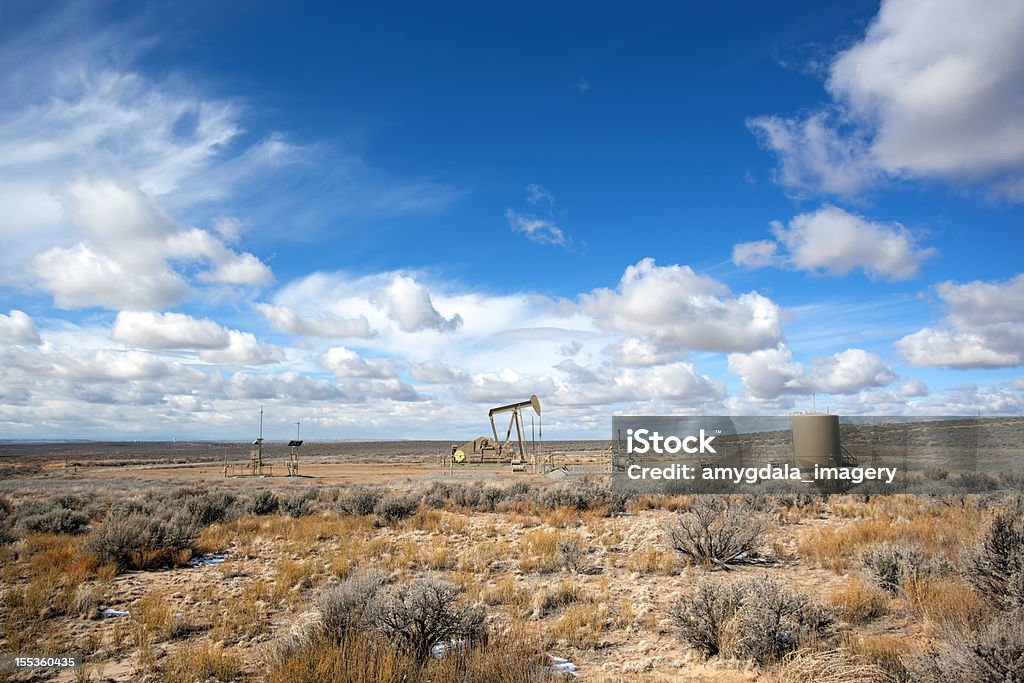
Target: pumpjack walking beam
point(514, 419)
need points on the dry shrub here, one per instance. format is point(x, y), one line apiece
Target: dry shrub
point(298, 503)
point(207, 507)
point(422, 614)
point(996, 567)
point(754, 618)
point(413, 617)
point(6, 520)
point(892, 567)
point(342, 608)
point(263, 502)
point(570, 550)
point(828, 666)
point(992, 654)
point(359, 500)
point(394, 508)
point(144, 540)
point(55, 520)
point(717, 531)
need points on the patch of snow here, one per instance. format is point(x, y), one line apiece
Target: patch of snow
point(207, 560)
point(442, 648)
point(563, 667)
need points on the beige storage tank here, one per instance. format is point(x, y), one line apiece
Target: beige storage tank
point(816, 440)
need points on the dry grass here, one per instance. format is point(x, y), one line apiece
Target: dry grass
point(882, 650)
point(244, 616)
point(654, 561)
point(561, 516)
point(49, 575)
point(858, 602)
point(506, 592)
point(480, 557)
point(580, 626)
point(660, 501)
point(512, 658)
point(934, 529)
point(291, 579)
point(354, 660)
point(828, 666)
point(539, 551)
point(557, 596)
point(154, 620)
point(509, 561)
point(201, 662)
point(946, 601)
point(424, 519)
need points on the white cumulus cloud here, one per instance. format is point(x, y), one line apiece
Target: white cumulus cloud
point(288, 320)
point(243, 349)
point(678, 308)
point(17, 327)
point(759, 254)
point(124, 262)
point(408, 304)
point(930, 91)
point(152, 330)
point(346, 363)
point(983, 328)
point(771, 373)
point(835, 242)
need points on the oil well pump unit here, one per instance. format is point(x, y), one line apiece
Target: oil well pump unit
point(492, 449)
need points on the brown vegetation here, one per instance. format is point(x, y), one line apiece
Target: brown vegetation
point(496, 578)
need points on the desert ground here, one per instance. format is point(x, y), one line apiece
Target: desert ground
point(152, 565)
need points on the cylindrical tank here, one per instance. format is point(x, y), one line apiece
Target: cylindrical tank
point(815, 440)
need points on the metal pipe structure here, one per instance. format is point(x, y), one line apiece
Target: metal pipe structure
point(514, 419)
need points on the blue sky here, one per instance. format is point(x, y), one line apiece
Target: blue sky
point(382, 220)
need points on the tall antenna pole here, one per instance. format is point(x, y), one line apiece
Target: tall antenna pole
point(297, 427)
point(261, 421)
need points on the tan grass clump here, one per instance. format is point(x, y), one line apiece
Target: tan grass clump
point(828, 666)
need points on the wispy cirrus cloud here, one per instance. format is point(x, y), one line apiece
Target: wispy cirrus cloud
point(536, 229)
